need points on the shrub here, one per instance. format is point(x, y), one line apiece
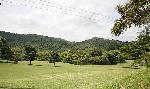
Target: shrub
point(114, 57)
point(99, 60)
point(43, 55)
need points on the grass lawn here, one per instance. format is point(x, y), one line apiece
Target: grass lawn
point(43, 75)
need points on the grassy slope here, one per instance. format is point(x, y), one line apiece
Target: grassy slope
point(65, 76)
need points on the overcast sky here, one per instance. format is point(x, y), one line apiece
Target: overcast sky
point(73, 20)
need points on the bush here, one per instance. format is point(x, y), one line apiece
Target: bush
point(43, 56)
point(96, 53)
point(99, 60)
point(66, 57)
point(114, 57)
point(121, 57)
point(145, 58)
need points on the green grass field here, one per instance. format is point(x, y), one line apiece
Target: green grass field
point(43, 75)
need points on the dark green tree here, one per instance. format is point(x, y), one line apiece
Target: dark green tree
point(96, 52)
point(54, 58)
point(5, 51)
point(30, 53)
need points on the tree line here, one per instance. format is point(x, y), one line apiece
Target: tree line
point(77, 54)
point(136, 50)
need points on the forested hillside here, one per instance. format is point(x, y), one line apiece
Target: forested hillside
point(50, 43)
point(38, 41)
point(100, 43)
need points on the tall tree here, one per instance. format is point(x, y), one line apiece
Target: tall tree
point(144, 43)
point(5, 51)
point(135, 12)
point(30, 53)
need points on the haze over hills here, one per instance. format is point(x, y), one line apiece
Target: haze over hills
point(51, 43)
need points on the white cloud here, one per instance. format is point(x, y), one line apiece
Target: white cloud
point(73, 20)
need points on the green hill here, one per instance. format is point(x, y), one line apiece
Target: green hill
point(51, 43)
point(38, 41)
point(100, 43)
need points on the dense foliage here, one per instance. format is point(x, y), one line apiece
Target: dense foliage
point(92, 51)
point(97, 51)
point(56, 44)
point(5, 51)
point(81, 57)
point(99, 43)
point(30, 53)
point(54, 58)
point(135, 13)
point(37, 41)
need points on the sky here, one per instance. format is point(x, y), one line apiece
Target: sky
point(73, 20)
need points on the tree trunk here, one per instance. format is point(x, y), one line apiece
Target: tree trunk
point(30, 63)
point(146, 63)
point(54, 63)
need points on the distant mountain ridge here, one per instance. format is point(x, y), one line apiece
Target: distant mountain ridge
point(51, 43)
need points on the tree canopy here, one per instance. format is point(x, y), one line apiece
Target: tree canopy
point(5, 51)
point(30, 53)
point(133, 13)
